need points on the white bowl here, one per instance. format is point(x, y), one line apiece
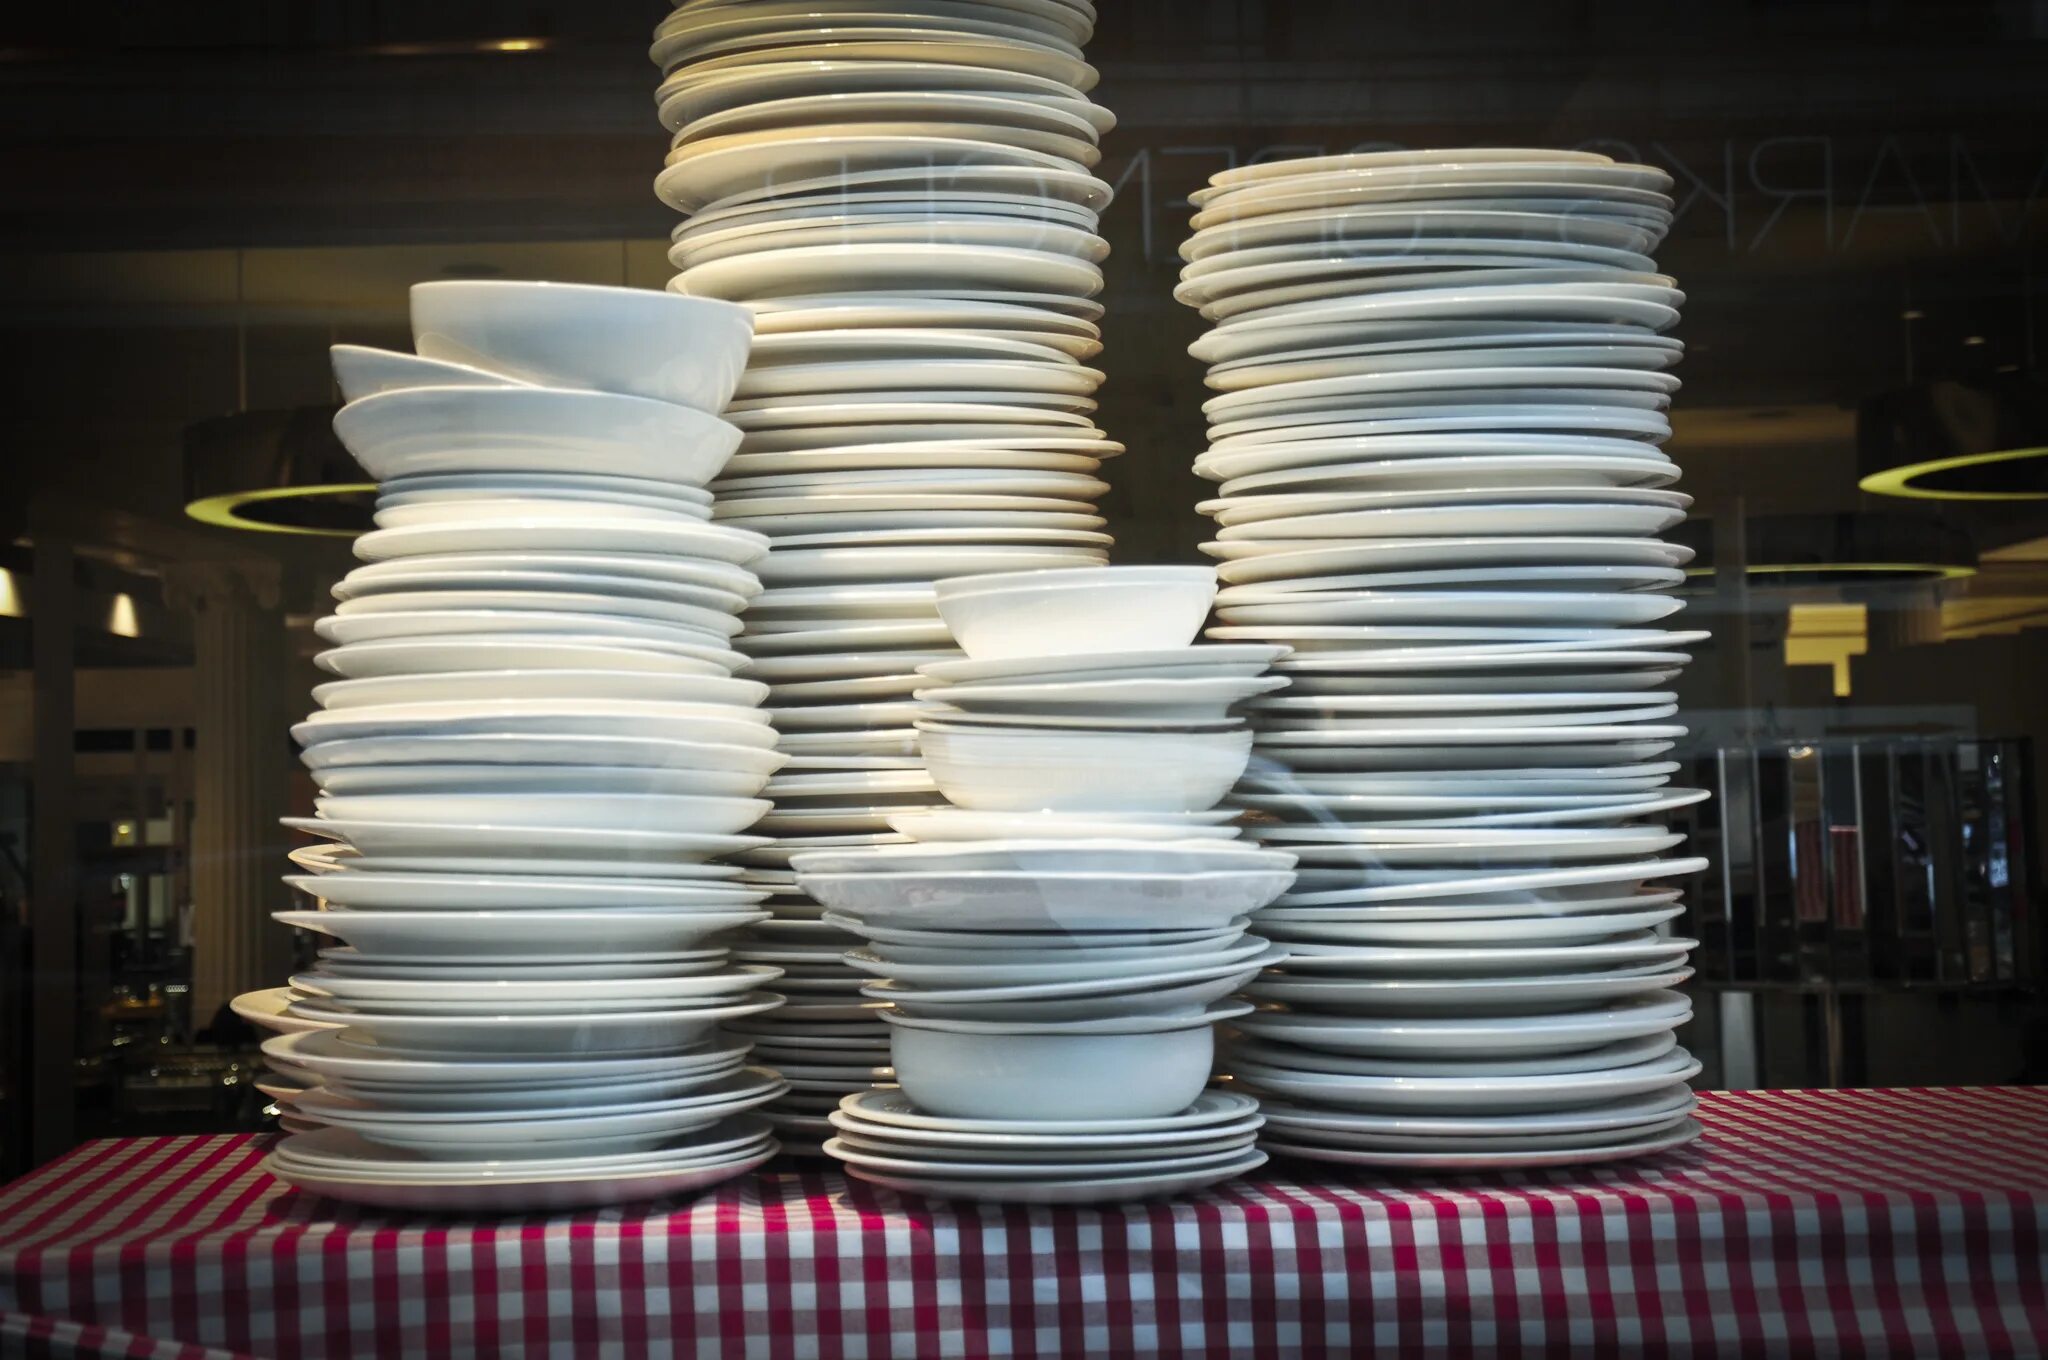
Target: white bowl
point(437, 431)
point(1076, 611)
point(1137, 1069)
point(689, 351)
point(363, 371)
point(1083, 770)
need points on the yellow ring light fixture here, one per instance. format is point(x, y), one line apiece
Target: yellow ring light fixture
point(275, 472)
point(1791, 552)
point(1978, 440)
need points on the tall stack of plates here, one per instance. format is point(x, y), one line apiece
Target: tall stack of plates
point(1054, 945)
point(902, 197)
point(1442, 381)
point(530, 765)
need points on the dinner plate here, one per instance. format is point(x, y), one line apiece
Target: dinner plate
point(1315, 1063)
point(1306, 956)
point(1051, 453)
point(1489, 995)
point(892, 1110)
point(1583, 577)
point(538, 683)
point(1000, 971)
point(1373, 447)
point(1305, 558)
point(737, 169)
point(1507, 1157)
point(1445, 606)
point(1057, 1165)
point(691, 96)
point(789, 566)
point(508, 1193)
point(581, 530)
point(375, 780)
point(597, 1032)
point(946, 824)
point(523, 933)
point(433, 656)
point(1047, 901)
point(1058, 374)
point(1556, 884)
point(1165, 663)
point(1453, 1094)
point(1078, 1190)
point(714, 626)
point(445, 995)
point(1502, 517)
point(940, 267)
point(324, 1055)
point(1423, 1038)
point(427, 748)
point(562, 619)
point(1418, 227)
point(1342, 1126)
point(719, 724)
point(428, 570)
point(1055, 855)
point(1164, 992)
point(516, 1134)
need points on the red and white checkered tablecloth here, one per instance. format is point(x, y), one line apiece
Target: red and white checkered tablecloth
point(1804, 1222)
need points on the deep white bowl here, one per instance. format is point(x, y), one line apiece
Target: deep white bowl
point(689, 351)
point(1142, 1068)
point(1076, 611)
point(1028, 769)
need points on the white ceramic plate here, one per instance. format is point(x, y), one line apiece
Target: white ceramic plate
point(810, 566)
point(607, 1032)
point(1450, 996)
point(1115, 1189)
point(434, 656)
point(1507, 1157)
point(1422, 1038)
point(1471, 960)
point(372, 780)
point(583, 530)
point(532, 934)
point(1042, 901)
point(951, 824)
point(429, 624)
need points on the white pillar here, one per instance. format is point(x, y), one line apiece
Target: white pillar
point(240, 777)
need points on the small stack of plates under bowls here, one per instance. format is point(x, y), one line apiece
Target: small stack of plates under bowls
point(1056, 944)
point(1442, 382)
point(529, 766)
point(904, 201)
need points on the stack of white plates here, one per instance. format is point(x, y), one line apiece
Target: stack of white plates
point(530, 765)
point(1442, 380)
point(1056, 943)
point(903, 199)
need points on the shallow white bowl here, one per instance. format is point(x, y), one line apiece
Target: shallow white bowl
point(1070, 611)
point(1084, 770)
point(1028, 1072)
point(689, 351)
point(362, 371)
point(419, 431)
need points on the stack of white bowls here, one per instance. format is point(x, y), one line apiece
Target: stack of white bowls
point(1056, 943)
point(902, 197)
point(1442, 385)
point(534, 757)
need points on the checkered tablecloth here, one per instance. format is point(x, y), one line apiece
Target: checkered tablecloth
point(1805, 1222)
